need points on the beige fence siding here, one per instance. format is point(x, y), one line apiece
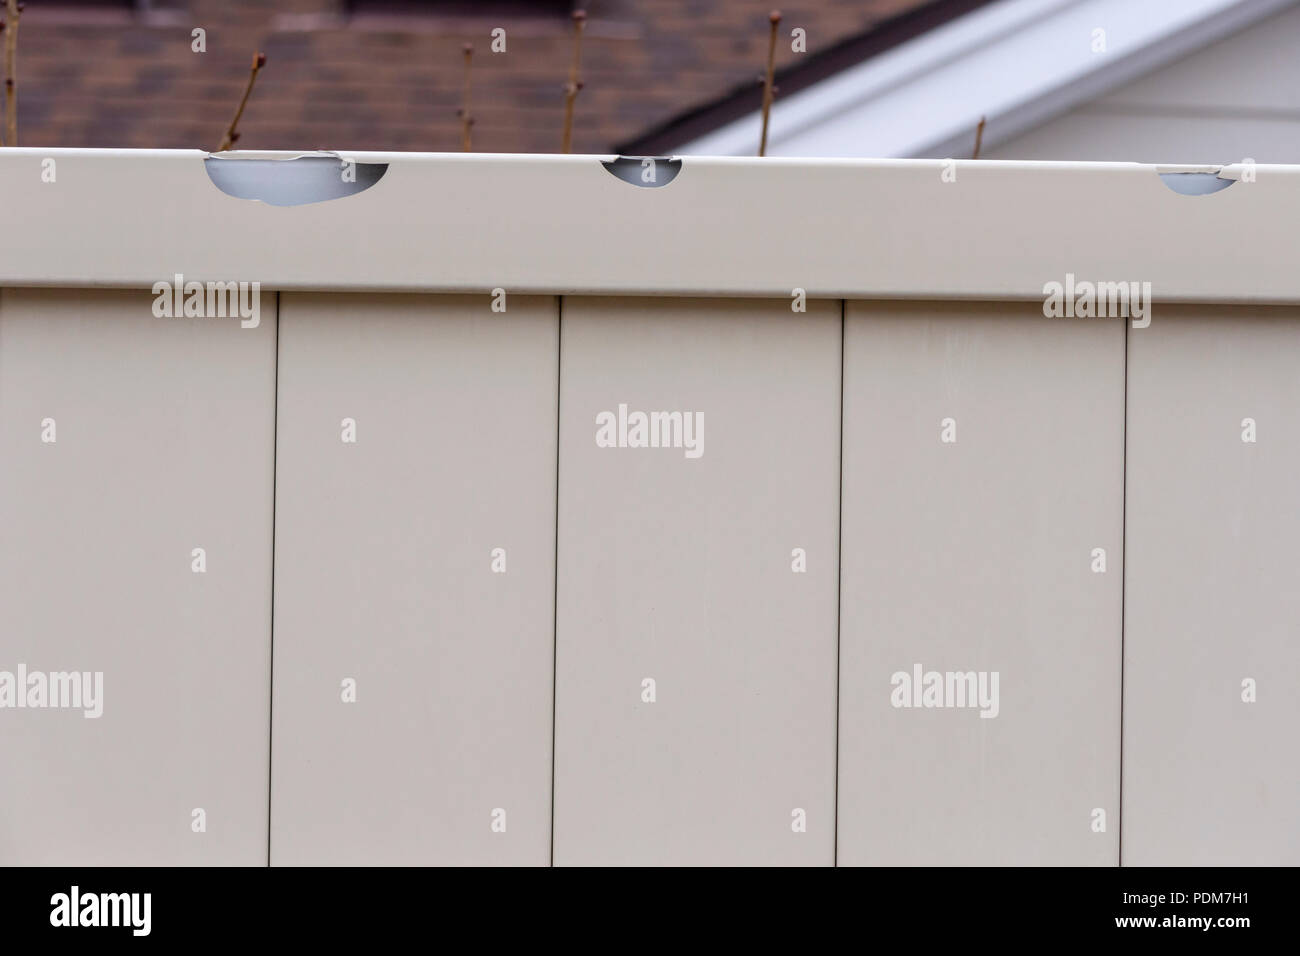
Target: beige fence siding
point(430, 699)
point(384, 576)
point(679, 570)
point(975, 555)
point(1213, 595)
point(163, 444)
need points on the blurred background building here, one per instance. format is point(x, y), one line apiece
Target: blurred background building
point(1194, 81)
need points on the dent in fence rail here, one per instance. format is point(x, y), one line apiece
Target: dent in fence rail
point(292, 182)
point(1195, 183)
point(648, 171)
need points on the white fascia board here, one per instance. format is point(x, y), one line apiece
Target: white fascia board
point(474, 222)
point(1018, 62)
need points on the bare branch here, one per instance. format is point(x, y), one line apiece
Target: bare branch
point(232, 132)
point(13, 13)
point(571, 88)
point(768, 89)
point(466, 120)
point(979, 139)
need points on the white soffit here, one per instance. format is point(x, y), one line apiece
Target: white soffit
point(1018, 62)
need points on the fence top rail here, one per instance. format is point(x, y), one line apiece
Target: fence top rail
point(556, 224)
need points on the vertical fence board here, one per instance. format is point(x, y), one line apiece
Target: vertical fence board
point(1213, 596)
point(163, 444)
point(975, 555)
point(679, 570)
point(384, 576)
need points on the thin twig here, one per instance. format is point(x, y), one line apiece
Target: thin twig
point(466, 121)
point(13, 11)
point(3, 109)
point(979, 139)
point(768, 89)
point(232, 132)
point(571, 88)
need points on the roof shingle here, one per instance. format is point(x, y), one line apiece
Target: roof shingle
point(115, 78)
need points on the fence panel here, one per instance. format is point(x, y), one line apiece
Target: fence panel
point(135, 581)
point(1211, 775)
point(979, 635)
point(695, 706)
point(414, 588)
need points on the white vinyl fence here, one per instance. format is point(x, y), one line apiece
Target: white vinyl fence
point(573, 510)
